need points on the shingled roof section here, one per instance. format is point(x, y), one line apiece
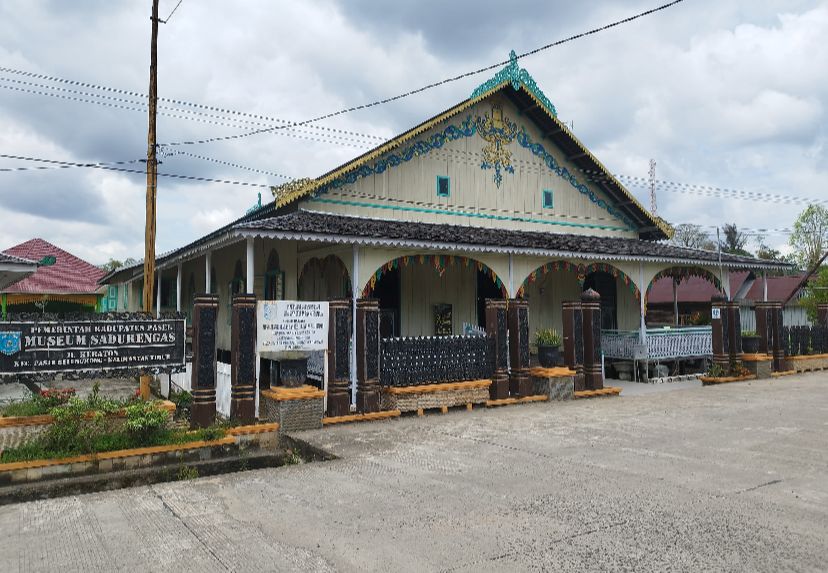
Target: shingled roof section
point(68, 274)
point(324, 225)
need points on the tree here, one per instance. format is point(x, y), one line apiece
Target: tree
point(115, 264)
point(692, 237)
point(766, 253)
point(816, 291)
point(810, 236)
point(734, 240)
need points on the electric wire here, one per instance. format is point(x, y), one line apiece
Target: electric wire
point(107, 167)
point(167, 19)
point(441, 82)
point(143, 98)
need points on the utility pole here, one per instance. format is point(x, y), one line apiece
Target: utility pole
point(152, 190)
point(653, 205)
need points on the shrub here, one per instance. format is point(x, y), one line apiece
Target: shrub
point(146, 422)
point(749, 333)
point(547, 337)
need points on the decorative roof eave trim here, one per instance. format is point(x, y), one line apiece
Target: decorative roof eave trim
point(315, 184)
point(437, 246)
point(657, 221)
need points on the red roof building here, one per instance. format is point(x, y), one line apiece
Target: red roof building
point(60, 277)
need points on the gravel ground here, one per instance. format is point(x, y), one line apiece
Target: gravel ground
point(725, 478)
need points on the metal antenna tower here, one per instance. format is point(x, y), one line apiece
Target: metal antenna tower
point(653, 205)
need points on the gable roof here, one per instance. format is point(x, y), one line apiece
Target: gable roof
point(532, 103)
point(67, 275)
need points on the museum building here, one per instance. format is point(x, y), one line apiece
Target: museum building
point(492, 198)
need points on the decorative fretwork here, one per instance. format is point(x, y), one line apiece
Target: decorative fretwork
point(662, 344)
point(581, 271)
point(412, 361)
point(438, 262)
point(518, 77)
point(538, 150)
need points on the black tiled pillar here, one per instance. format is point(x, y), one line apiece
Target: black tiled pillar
point(243, 362)
point(496, 329)
point(203, 384)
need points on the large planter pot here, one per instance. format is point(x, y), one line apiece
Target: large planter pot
point(549, 356)
point(750, 344)
point(294, 372)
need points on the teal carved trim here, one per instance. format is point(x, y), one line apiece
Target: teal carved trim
point(517, 76)
point(524, 140)
point(422, 147)
point(440, 191)
point(463, 213)
point(469, 127)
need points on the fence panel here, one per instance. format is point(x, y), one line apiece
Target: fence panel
point(411, 361)
point(804, 340)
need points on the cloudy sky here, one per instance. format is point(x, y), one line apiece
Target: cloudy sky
point(729, 95)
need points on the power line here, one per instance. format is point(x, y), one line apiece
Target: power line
point(291, 132)
point(441, 82)
point(46, 167)
point(107, 167)
point(229, 164)
point(177, 102)
point(167, 19)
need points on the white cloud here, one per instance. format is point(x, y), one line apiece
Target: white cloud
point(724, 94)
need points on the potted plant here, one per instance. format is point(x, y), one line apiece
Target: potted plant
point(549, 347)
point(750, 342)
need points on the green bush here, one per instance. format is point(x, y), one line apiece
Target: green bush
point(146, 422)
point(547, 337)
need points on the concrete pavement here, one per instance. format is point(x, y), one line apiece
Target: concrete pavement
point(726, 478)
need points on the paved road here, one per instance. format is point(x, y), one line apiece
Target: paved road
point(729, 478)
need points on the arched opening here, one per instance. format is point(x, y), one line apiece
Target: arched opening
point(237, 283)
point(432, 295)
point(274, 284)
point(324, 279)
point(603, 283)
point(680, 296)
point(552, 283)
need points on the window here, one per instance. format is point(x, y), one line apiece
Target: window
point(548, 199)
point(443, 186)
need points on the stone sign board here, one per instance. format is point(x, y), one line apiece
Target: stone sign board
point(90, 345)
point(292, 325)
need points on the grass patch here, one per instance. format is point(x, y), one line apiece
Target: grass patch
point(87, 427)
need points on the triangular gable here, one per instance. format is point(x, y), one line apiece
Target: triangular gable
point(534, 104)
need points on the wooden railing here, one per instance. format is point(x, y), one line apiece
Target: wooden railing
point(662, 343)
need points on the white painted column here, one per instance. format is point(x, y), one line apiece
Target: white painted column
point(354, 296)
point(675, 301)
point(158, 294)
point(765, 286)
point(178, 288)
point(511, 282)
point(250, 267)
point(208, 259)
point(726, 282)
point(642, 290)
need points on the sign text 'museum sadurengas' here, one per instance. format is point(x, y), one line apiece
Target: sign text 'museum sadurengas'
point(42, 347)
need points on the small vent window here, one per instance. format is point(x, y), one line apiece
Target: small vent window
point(443, 186)
point(548, 199)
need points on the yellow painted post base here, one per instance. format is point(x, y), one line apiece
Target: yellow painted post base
point(144, 387)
